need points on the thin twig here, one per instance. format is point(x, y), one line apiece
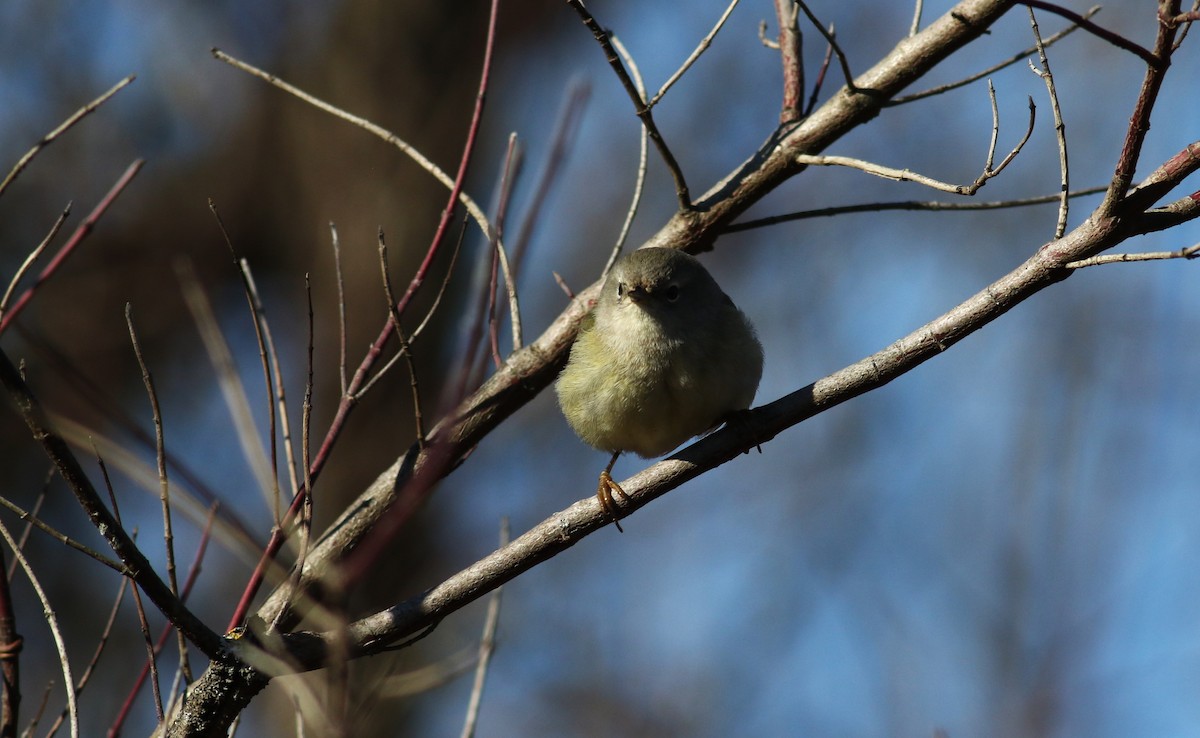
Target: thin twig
point(51, 472)
point(1017, 57)
point(918, 205)
point(164, 488)
point(40, 711)
point(272, 369)
point(405, 348)
point(1060, 128)
point(1191, 252)
point(508, 175)
point(487, 646)
point(916, 21)
point(143, 622)
point(36, 522)
point(700, 49)
point(831, 37)
point(641, 109)
point(639, 184)
point(562, 140)
point(109, 528)
point(51, 621)
point(906, 175)
point(62, 128)
point(341, 292)
point(90, 669)
point(69, 247)
point(412, 339)
point(32, 258)
point(391, 138)
point(306, 511)
point(1139, 121)
point(820, 79)
point(230, 381)
point(189, 484)
point(150, 667)
point(1115, 39)
point(770, 43)
point(257, 317)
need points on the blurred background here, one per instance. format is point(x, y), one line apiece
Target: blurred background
point(996, 544)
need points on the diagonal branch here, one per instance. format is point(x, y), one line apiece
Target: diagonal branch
point(641, 108)
point(122, 545)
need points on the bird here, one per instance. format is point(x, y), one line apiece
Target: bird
point(664, 356)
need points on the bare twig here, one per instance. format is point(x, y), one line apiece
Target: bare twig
point(1017, 57)
point(641, 109)
point(150, 667)
point(1191, 252)
point(639, 184)
point(306, 511)
point(916, 21)
point(906, 175)
point(687, 64)
point(104, 522)
point(487, 646)
point(405, 349)
point(272, 372)
point(1139, 122)
point(566, 128)
point(69, 247)
point(472, 207)
point(90, 669)
point(1115, 39)
point(926, 205)
point(820, 79)
point(412, 339)
point(62, 128)
point(164, 487)
point(32, 258)
point(1060, 128)
point(831, 37)
point(232, 389)
point(143, 622)
point(509, 173)
point(51, 621)
point(762, 37)
point(36, 522)
point(341, 292)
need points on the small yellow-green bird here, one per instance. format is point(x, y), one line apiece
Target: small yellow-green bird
point(664, 356)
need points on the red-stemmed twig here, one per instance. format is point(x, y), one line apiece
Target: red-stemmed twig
point(791, 46)
point(1135, 134)
point(69, 247)
point(149, 668)
point(1150, 57)
point(350, 398)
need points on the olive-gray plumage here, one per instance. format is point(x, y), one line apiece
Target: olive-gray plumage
point(664, 356)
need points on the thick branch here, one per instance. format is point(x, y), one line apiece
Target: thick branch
point(563, 530)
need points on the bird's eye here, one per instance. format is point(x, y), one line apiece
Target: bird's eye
point(672, 293)
point(620, 289)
